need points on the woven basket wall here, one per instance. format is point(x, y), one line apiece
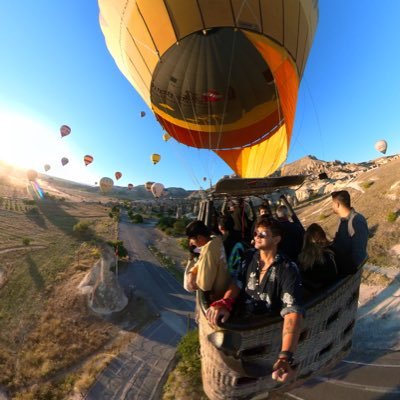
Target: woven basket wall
point(325, 339)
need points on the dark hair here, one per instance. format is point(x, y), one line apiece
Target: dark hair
point(196, 228)
point(274, 226)
point(343, 197)
point(226, 222)
point(314, 246)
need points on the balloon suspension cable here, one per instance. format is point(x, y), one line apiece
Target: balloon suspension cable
point(316, 116)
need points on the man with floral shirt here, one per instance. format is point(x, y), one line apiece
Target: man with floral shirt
point(270, 284)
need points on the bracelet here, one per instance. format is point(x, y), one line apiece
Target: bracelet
point(287, 356)
point(227, 303)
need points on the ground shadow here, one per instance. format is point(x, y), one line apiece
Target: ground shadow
point(34, 272)
point(34, 215)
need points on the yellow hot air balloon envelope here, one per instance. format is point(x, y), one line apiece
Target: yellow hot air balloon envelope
point(155, 158)
point(166, 137)
point(220, 75)
point(87, 159)
point(118, 175)
point(106, 184)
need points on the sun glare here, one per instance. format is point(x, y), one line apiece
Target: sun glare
point(29, 143)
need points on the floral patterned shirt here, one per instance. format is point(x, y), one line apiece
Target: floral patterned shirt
point(280, 290)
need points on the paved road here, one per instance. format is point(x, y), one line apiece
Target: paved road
point(139, 371)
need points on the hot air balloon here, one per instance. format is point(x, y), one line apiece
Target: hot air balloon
point(155, 158)
point(118, 175)
point(219, 75)
point(46, 167)
point(204, 178)
point(87, 159)
point(64, 161)
point(148, 185)
point(157, 189)
point(166, 137)
point(130, 186)
point(65, 130)
point(95, 183)
point(142, 114)
point(106, 184)
point(381, 145)
point(31, 174)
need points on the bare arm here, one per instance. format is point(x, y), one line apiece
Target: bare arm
point(282, 370)
point(291, 331)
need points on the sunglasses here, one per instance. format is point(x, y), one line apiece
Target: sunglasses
point(261, 235)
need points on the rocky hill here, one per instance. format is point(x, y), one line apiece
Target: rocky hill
point(326, 176)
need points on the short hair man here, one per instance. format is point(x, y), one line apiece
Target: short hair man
point(270, 283)
point(210, 272)
point(351, 237)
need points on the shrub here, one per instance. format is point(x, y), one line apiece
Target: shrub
point(188, 350)
point(81, 227)
point(184, 243)
point(180, 226)
point(26, 241)
point(119, 248)
point(367, 184)
point(166, 222)
point(137, 219)
point(392, 216)
point(29, 202)
point(169, 231)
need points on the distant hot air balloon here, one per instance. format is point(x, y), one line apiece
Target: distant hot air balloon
point(142, 114)
point(88, 159)
point(166, 137)
point(95, 183)
point(31, 174)
point(130, 186)
point(65, 130)
point(155, 158)
point(204, 178)
point(381, 145)
point(221, 75)
point(106, 184)
point(148, 185)
point(64, 161)
point(118, 175)
point(46, 167)
point(157, 189)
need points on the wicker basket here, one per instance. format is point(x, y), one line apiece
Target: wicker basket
point(237, 359)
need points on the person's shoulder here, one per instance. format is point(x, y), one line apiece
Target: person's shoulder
point(286, 263)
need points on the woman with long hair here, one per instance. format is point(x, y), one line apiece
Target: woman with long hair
point(317, 259)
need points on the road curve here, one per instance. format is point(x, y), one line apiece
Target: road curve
point(138, 372)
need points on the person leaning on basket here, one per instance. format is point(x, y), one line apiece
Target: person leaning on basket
point(210, 272)
point(270, 283)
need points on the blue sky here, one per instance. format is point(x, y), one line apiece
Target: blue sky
point(55, 69)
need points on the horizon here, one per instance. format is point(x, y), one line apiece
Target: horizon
point(52, 75)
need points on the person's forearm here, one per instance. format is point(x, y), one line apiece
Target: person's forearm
point(291, 331)
point(232, 291)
